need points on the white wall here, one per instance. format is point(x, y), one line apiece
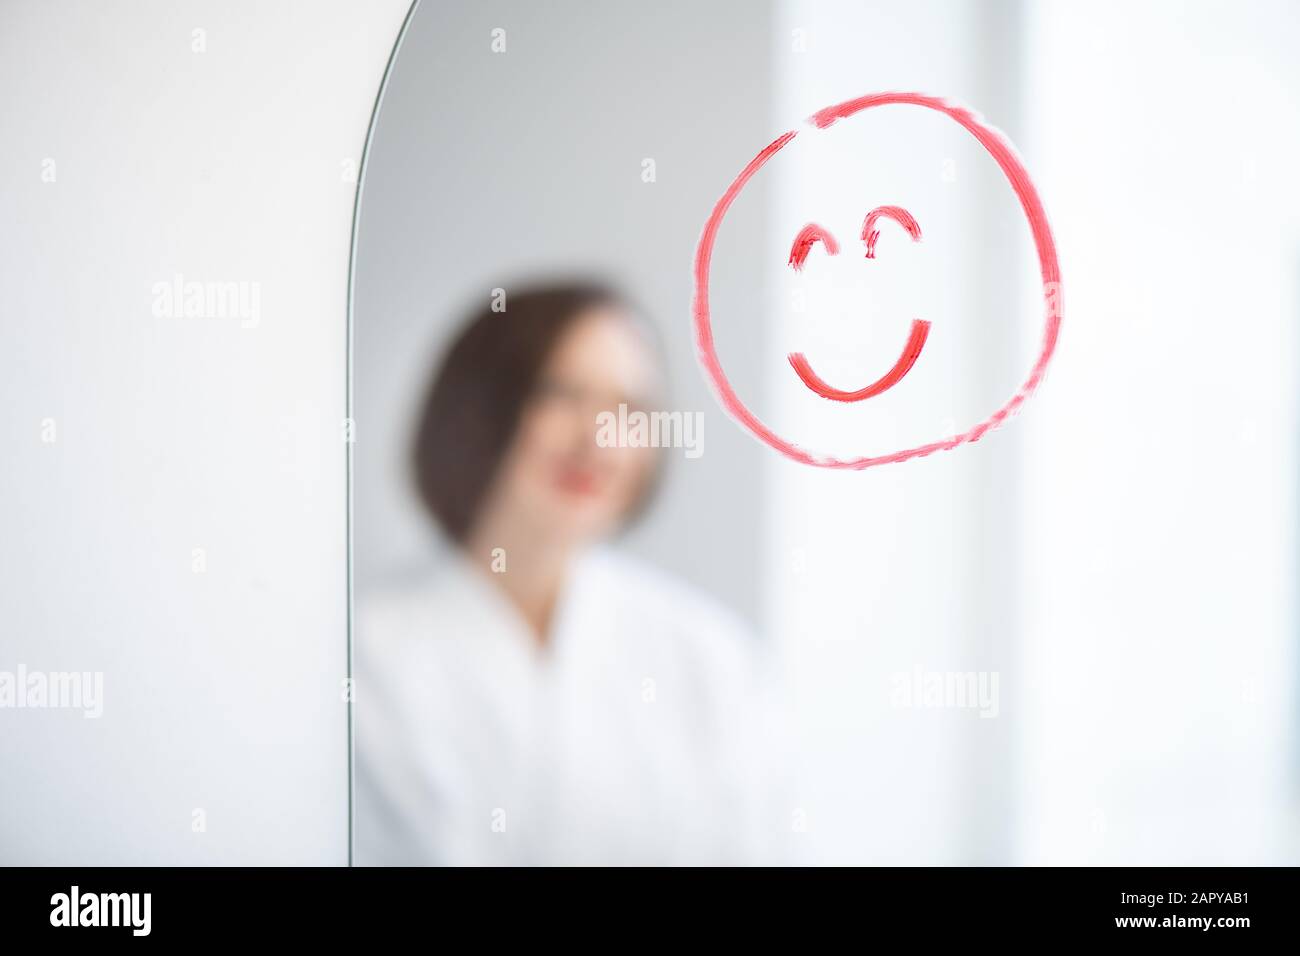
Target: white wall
point(1160, 510)
point(222, 689)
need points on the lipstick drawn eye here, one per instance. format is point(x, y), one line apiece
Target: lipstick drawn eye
point(803, 243)
point(897, 213)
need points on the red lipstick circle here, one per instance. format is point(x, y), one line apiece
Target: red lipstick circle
point(1000, 148)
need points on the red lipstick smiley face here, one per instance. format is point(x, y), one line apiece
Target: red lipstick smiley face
point(813, 235)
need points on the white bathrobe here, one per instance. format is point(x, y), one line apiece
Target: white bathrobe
point(641, 734)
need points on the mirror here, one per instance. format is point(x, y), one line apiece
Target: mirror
point(599, 622)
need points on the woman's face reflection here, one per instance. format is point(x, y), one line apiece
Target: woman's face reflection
point(556, 479)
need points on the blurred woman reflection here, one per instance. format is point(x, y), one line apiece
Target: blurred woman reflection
point(544, 700)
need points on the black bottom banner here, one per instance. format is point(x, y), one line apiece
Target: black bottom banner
point(1175, 905)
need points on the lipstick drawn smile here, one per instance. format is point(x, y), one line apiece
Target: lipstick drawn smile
point(911, 352)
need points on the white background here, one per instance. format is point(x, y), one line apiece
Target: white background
point(1123, 554)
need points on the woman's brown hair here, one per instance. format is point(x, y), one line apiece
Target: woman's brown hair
point(479, 392)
